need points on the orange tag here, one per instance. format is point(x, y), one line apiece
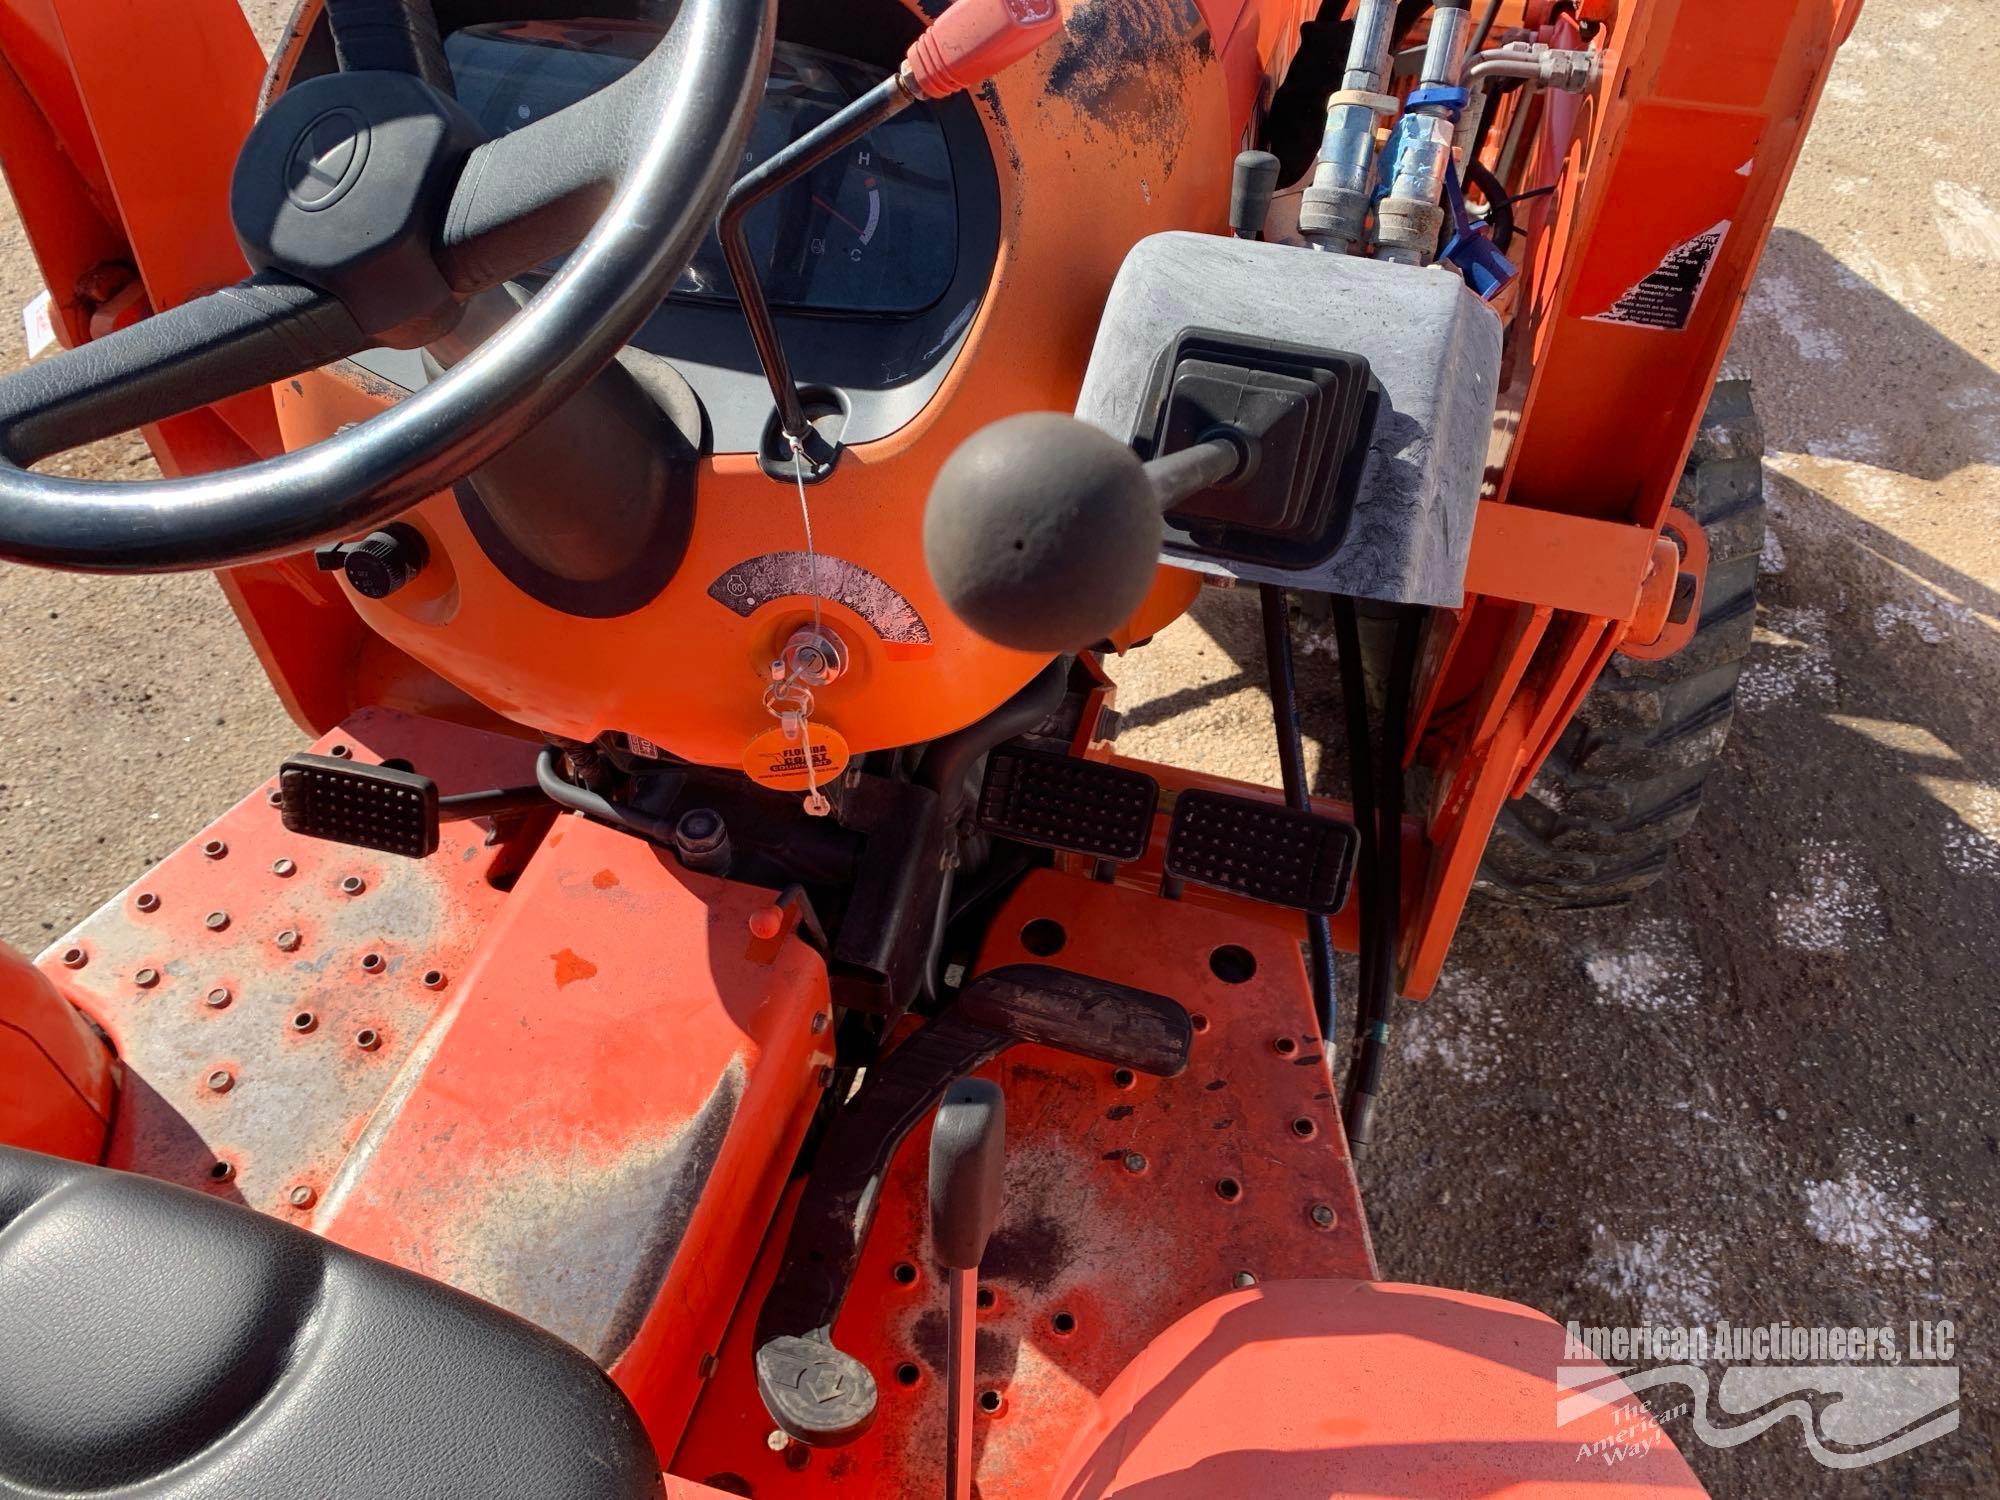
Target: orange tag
point(779, 763)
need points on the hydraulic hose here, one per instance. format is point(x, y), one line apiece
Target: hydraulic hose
point(1361, 780)
point(1283, 679)
point(1384, 932)
point(945, 764)
point(581, 799)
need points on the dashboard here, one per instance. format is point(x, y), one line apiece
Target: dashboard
point(874, 264)
point(875, 230)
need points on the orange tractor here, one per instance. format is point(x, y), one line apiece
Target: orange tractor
point(714, 1011)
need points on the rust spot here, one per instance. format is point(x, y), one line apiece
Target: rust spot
point(570, 967)
point(1126, 68)
point(604, 880)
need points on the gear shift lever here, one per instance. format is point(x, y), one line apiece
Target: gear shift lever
point(968, 1156)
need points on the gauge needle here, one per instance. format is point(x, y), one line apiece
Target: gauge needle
point(836, 213)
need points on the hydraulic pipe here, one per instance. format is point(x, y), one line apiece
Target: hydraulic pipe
point(1335, 205)
point(1409, 217)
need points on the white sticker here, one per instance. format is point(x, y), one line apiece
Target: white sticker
point(38, 321)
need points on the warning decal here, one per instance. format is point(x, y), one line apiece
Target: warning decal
point(1666, 299)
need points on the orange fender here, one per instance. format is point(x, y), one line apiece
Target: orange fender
point(60, 1084)
point(1331, 1388)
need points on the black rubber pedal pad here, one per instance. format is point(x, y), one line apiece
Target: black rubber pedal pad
point(1262, 850)
point(369, 807)
point(1064, 802)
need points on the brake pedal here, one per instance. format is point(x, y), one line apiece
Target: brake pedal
point(1262, 850)
point(1063, 802)
point(369, 807)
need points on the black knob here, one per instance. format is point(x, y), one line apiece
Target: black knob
point(1250, 189)
point(381, 562)
point(1042, 533)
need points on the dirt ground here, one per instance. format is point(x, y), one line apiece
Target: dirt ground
point(1763, 1092)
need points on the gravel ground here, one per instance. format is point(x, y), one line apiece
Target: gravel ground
point(1762, 1092)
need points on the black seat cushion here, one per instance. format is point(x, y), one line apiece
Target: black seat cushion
point(153, 1337)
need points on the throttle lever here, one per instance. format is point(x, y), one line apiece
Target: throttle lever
point(972, 41)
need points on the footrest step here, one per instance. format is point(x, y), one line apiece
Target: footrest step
point(1262, 850)
point(1063, 802)
point(369, 807)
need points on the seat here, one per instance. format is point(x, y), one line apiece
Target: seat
point(155, 1338)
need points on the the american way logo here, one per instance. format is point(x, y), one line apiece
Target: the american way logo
point(1860, 1396)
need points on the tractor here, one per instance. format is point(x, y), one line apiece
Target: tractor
point(713, 1011)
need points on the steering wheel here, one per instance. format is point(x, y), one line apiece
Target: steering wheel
point(371, 210)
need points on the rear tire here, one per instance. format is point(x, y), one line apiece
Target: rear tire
point(1624, 782)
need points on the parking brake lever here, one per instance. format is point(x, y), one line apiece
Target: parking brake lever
point(972, 41)
point(968, 1159)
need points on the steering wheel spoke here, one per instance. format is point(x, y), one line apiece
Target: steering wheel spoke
point(266, 329)
point(389, 36)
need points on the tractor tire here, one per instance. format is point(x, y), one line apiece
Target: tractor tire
point(1624, 782)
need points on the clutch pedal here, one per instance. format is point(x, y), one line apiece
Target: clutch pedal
point(1262, 850)
point(1064, 802)
point(370, 807)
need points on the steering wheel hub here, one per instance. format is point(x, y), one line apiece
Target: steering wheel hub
point(343, 184)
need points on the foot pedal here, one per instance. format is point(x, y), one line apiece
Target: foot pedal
point(1262, 850)
point(1063, 802)
point(369, 807)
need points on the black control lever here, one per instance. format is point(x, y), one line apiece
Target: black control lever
point(968, 1163)
point(1043, 533)
point(815, 1392)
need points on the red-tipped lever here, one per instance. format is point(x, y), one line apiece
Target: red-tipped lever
point(975, 39)
point(972, 41)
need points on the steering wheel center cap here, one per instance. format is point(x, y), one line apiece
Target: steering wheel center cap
point(327, 159)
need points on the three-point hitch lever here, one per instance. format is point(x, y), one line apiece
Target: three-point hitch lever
point(968, 1159)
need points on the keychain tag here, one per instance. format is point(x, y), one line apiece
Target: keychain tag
point(777, 758)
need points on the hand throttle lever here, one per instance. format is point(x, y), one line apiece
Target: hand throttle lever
point(972, 41)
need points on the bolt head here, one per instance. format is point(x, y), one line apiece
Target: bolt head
point(284, 869)
point(147, 901)
point(74, 958)
point(1242, 1279)
point(1323, 1215)
point(214, 849)
point(218, 997)
point(146, 978)
point(1135, 1161)
point(434, 979)
point(301, 1196)
point(275, 797)
point(368, 1039)
point(288, 940)
point(353, 885)
point(221, 1081)
point(215, 921)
